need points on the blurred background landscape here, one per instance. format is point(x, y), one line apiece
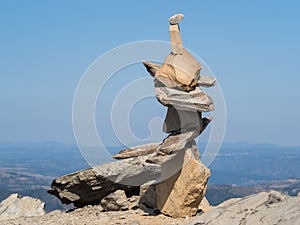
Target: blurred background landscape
point(240, 169)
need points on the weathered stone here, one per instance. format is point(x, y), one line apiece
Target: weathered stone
point(175, 19)
point(116, 201)
point(181, 120)
point(148, 196)
point(89, 186)
point(203, 81)
point(183, 69)
point(196, 100)
point(137, 151)
point(262, 208)
point(16, 206)
point(175, 39)
point(151, 68)
point(178, 141)
point(204, 205)
point(175, 142)
point(181, 194)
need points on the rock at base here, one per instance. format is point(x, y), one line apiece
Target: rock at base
point(116, 201)
point(16, 206)
point(263, 208)
point(180, 195)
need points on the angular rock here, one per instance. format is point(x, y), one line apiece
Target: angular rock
point(148, 196)
point(181, 120)
point(151, 68)
point(183, 69)
point(175, 19)
point(203, 81)
point(263, 208)
point(176, 142)
point(89, 186)
point(204, 205)
point(180, 195)
point(16, 206)
point(116, 201)
point(196, 100)
point(137, 151)
point(175, 39)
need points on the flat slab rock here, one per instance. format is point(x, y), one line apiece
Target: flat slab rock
point(89, 186)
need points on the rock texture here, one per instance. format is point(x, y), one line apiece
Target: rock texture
point(91, 185)
point(261, 209)
point(168, 175)
point(180, 195)
point(16, 206)
point(115, 201)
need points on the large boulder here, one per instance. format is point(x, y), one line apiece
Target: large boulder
point(89, 186)
point(263, 208)
point(180, 194)
point(16, 206)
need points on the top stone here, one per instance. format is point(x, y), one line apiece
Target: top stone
point(173, 20)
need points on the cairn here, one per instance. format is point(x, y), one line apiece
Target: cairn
point(168, 176)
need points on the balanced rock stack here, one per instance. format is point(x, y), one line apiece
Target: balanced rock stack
point(167, 176)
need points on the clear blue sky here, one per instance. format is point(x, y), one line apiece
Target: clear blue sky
point(253, 47)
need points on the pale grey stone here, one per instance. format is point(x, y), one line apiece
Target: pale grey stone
point(263, 208)
point(195, 101)
point(16, 206)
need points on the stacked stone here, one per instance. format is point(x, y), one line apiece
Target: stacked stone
point(169, 175)
point(177, 86)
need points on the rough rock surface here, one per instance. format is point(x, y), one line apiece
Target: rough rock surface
point(16, 206)
point(261, 209)
point(203, 81)
point(195, 100)
point(89, 186)
point(115, 201)
point(137, 151)
point(180, 195)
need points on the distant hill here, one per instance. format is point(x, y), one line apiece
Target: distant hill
point(239, 169)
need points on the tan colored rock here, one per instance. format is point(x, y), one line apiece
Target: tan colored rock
point(151, 68)
point(180, 195)
point(175, 39)
point(203, 81)
point(16, 206)
point(182, 69)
